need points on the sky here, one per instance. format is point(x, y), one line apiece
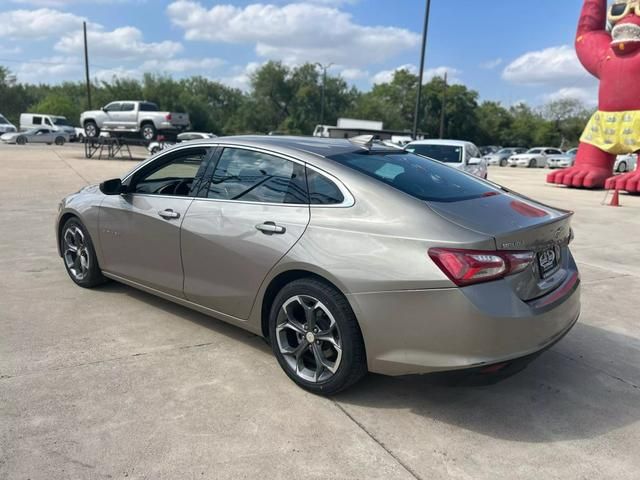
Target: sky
point(508, 50)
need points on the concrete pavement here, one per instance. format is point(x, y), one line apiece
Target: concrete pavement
point(116, 383)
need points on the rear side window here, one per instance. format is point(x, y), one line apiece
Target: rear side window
point(250, 176)
point(148, 107)
point(37, 120)
point(420, 177)
point(127, 107)
point(322, 191)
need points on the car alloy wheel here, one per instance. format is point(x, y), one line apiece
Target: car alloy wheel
point(309, 338)
point(91, 130)
point(76, 254)
point(148, 132)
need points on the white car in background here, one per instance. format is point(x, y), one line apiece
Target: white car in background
point(534, 158)
point(502, 156)
point(155, 147)
point(455, 153)
point(36, 135)
point(6, 126)
point(626, 163)
point(565, 160)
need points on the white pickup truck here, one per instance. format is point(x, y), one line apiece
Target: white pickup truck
point(125, 117)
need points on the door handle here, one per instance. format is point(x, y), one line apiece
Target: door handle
point(168, 214)
point(270, 228)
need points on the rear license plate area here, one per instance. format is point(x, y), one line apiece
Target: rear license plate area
point(549, 261)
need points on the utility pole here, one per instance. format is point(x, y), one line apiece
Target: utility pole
point(86, 64)
point(324, 69)
point(425, 30)
point(444, 106)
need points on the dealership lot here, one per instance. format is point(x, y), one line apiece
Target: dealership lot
point(115, 383)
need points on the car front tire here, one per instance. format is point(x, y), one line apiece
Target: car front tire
point(316, 338)
point(79, 255)
point(21, 141)
point(503, 163)
point(532, 164)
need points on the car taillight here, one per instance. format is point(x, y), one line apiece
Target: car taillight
point(168, 116)
point(466, 267)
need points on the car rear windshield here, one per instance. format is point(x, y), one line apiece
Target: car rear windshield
point(442, 153)
point(420, 177)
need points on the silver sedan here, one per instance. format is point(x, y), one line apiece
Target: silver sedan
point(347, 256)
point(36, 135)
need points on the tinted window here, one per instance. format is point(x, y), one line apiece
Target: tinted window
point(148, 107)
point(127, 107)
point(417, 176)
point(251, 176)
point(176, 174)
point(3, 120)
point(113, 107)
point(47, 121)
point(37, 121)
point(61, 121)
point(322, 191)
point(442, 153)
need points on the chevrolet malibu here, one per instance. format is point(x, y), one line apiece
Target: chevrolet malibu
point(348, 257)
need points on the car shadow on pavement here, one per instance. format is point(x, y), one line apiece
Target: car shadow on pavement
point(562, 395)
point(211, 323)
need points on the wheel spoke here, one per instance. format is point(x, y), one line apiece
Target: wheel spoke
point(69, 239)
point(78, 237)
point(330, 339)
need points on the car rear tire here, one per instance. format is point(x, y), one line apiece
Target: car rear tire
point(622, 167)
point(316, 338)
point(60, 141)
point(148, 132)
point(79, 255)
point(91, 129)
point(21, 140)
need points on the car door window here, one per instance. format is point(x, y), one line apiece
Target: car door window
point(127, 107)
point(113, 107)
point(251, 176)
point(176, 174)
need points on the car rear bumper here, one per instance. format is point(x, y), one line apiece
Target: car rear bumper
point(416, 332)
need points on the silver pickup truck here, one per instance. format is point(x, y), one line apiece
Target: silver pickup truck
point(139, 117)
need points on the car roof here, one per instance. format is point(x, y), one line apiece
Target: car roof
point(322, 147)
point(456, 143)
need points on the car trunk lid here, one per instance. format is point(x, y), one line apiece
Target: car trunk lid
point(519, 224)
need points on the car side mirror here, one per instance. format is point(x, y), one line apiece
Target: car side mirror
point(474, 161)
point(112, 187)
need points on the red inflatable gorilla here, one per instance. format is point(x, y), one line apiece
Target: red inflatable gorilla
point(614, 58)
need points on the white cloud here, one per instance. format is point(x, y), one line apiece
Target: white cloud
point(240, 76)
point(124, 43)
point(586, 95)
point(37, 24)
point(64, 3)
point(554, 66)
point(181, 65)
point(453, 74)
point(491, 64)
point(48, 70)
point(351, 74)
point(294, 33)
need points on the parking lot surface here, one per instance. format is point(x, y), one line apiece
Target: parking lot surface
point(116, 383)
